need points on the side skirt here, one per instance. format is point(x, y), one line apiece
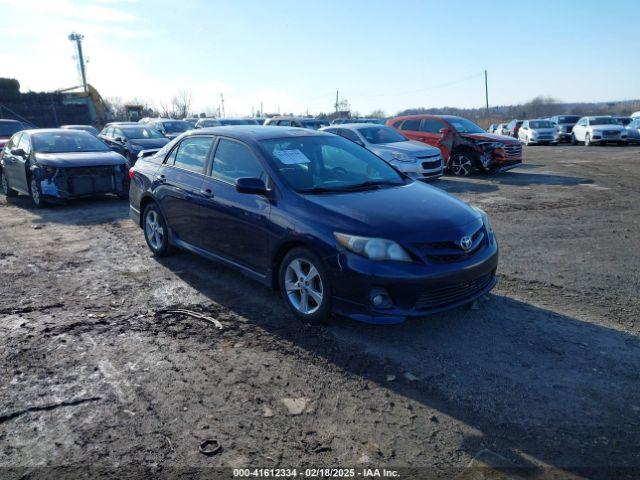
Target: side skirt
point(265, 279)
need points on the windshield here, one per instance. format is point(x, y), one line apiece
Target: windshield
point(568, 119)
point(9, 128)
point(623, 120)
point(462, 125)
point(140, 133)
point(328, 164)
point(240, 121)
point(378, 135)
point(176, 127)
point(603, 121)
point(540, 124)
point(67, 142)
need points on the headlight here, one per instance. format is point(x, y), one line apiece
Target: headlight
point(485, 218)
point(377, 249)
point(402, 157)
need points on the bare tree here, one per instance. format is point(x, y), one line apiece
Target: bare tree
point(378, 113)
point(178, 107)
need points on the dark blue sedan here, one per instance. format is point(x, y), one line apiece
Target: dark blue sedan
point(328, 223)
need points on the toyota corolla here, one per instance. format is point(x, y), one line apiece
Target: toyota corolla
point(329, 224)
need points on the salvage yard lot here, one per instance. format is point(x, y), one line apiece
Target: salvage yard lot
point(544, 372)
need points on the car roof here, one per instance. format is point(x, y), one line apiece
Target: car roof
point(355, 126)
point(307, 119)
point(9, 120)
point(67, 131)
point(258, 132)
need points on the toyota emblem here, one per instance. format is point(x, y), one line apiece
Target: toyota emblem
point(465, 242)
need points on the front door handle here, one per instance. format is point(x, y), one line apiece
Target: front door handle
point(161, 178)
point(206, 192)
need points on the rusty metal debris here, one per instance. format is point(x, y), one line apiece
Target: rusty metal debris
point(210, 447)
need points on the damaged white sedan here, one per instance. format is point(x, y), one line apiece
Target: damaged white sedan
point(57, 164)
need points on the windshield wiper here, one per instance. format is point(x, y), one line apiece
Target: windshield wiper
point(320, 190)
point(372, 183)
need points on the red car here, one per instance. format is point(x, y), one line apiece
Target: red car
point(465, 146)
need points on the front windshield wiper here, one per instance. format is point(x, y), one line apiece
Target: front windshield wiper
point(372, 183)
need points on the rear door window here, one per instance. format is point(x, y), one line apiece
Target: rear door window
point(192, 153)
point(411, 125)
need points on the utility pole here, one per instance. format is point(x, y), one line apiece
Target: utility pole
point(261, 110)
point(77, 37)
point(336, 101)
point(222, 105)
point(486, 92)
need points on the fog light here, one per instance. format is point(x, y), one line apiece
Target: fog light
point(380, 298)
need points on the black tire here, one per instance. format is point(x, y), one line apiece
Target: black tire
point(574, 141)
point(318, 313)
point(462, 164)
point(36, 193)
point(156, 232)
point(6, 189)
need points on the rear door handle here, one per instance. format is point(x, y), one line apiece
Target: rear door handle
point(206, 192)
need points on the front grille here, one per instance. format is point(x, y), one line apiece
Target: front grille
point(437, 297)
point(513, 151)
point(450, 251)
point(90, 180)
point(611, 133)
point(431, 165)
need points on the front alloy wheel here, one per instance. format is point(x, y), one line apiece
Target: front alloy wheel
point(304, 286)
point(461, 165)
point(36, 194)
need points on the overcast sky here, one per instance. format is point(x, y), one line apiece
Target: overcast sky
point(294, 54)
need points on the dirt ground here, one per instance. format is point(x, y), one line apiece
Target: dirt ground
point(545, 372)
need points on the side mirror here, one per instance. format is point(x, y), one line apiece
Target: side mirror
point(251, 185)
point(18, 152)
point(121, 140)
point(443, 131)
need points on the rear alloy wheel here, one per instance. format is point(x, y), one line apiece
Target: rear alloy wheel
point(587, 140)
point(304, 286)
point(6, 189)
point(36, 194)
point(156, 232)
point(461, 164)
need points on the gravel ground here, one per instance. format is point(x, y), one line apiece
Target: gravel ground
point(545, 372)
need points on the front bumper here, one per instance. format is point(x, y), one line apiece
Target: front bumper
point(600, 138)
point(79, 182)
point(416, 290)
point(422, 169)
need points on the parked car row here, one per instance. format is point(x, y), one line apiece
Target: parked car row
point(572, 128)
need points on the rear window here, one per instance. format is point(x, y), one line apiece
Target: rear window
point(9, 128)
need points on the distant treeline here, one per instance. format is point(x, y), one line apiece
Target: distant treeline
point(539, 107)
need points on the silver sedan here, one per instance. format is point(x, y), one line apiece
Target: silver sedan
point(413, 158)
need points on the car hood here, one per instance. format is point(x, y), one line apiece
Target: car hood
point(410, 147)
point(410, 213)
point(544, 131)
point(612, 126)
point(149, 142)
point(80, 159)
point(489, 137)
